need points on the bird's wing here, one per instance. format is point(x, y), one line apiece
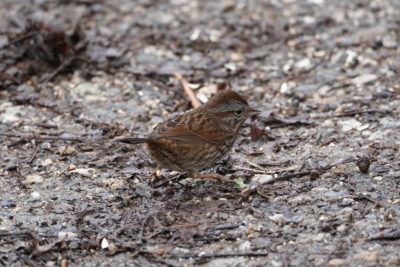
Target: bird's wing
point(192, 128)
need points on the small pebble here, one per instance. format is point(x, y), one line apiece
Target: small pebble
point(336, 262)
point(278, 218)
point(104, 243)
point(33, 179)
point(364, 79)
point(35, 196)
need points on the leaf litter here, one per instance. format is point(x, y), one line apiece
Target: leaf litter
point(318, 167)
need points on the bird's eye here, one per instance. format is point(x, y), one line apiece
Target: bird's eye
point(238, 112)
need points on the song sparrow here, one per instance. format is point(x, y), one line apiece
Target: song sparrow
point(200, 137)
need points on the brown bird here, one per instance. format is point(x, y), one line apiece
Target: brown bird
point(198, 138)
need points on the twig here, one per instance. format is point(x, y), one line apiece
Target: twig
point(352, 113)
point(186, 225)
point(304, 173)
point(224, 227)
point(19, 175)
point(278, 176)
point(256, 165)
point(18, 166)
point(141, 239)
point(25, 234)
point(41, 249)
point(228, 254)
point(46, 126)
point(33, 155)
point(261, 170)
point(18, 39)
point(241, 168)
point(29, 262)
point(177, 178)
point(289, 176)
point(60, 68)
point(388, 234)
point(344, 161)
point(43, 138)
point(189, 92)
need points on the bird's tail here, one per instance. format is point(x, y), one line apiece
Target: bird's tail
point(132, 140)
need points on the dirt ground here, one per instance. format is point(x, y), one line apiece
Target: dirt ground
point(315, 179)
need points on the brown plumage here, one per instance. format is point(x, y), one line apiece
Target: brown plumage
point(200, 137)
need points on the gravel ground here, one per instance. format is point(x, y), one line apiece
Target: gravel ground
point(315, 179)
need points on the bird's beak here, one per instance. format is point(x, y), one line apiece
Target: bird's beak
point(253, 112)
